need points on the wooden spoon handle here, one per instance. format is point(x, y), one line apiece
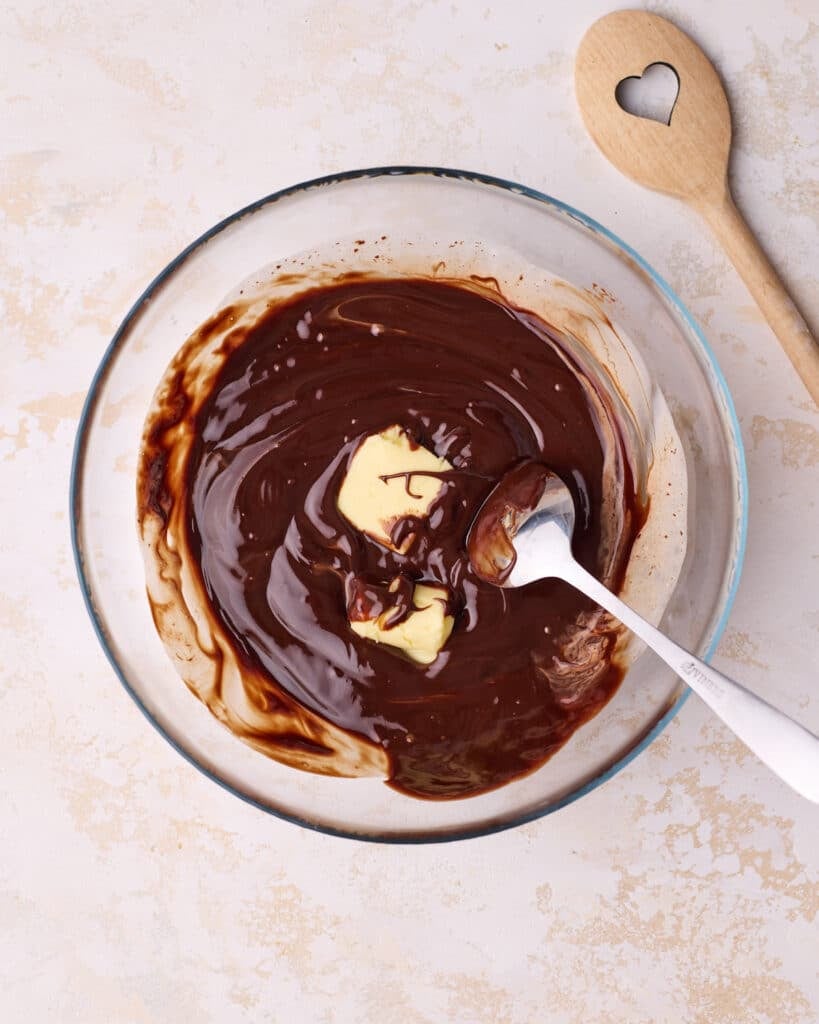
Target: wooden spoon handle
point(764, 284)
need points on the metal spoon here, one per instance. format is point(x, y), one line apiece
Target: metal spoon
point(523, 533)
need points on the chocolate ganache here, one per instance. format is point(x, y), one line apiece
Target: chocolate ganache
point(477, 382)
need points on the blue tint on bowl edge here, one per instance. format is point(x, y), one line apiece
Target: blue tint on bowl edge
point(484, 179)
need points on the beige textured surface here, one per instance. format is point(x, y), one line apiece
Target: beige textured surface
point(134, 890)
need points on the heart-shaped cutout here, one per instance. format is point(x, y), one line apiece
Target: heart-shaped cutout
point(652, 95)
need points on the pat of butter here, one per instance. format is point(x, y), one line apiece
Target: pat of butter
point(385, 483)
point(423, 632)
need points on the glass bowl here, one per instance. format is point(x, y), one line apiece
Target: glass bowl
point(398, 201)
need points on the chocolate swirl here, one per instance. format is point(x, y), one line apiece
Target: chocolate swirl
point(483, 385)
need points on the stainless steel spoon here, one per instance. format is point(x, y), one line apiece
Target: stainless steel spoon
point(523, 533)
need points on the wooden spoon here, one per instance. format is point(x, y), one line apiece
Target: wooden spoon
point(687, 157)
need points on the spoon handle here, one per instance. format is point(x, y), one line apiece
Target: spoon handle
point(764, 284)
point(786, 747)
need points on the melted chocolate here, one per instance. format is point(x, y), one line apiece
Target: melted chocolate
point(483, 385)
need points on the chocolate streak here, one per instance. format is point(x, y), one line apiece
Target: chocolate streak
point(481, 384)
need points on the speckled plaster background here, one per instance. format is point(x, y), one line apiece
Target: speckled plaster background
point(132, 889)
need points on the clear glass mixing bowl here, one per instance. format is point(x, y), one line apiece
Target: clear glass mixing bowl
point(545, 233)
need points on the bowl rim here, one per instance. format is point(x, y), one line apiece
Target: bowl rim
point(475, 177)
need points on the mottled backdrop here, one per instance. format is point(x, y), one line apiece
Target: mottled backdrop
point(134, 890)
